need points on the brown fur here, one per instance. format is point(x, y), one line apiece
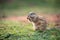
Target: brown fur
point(39, 23)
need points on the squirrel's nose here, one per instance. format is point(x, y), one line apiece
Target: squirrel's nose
point(27, 17)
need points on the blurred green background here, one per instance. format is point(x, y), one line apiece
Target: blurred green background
point(23, 7)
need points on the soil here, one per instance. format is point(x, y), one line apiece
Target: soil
point(49, 18)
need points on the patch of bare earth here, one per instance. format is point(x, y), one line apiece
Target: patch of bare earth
point(49, 18)
point(17, 18)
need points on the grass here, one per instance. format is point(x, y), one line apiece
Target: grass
point(23, 7)
point(23, 11)
point(10, 30)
